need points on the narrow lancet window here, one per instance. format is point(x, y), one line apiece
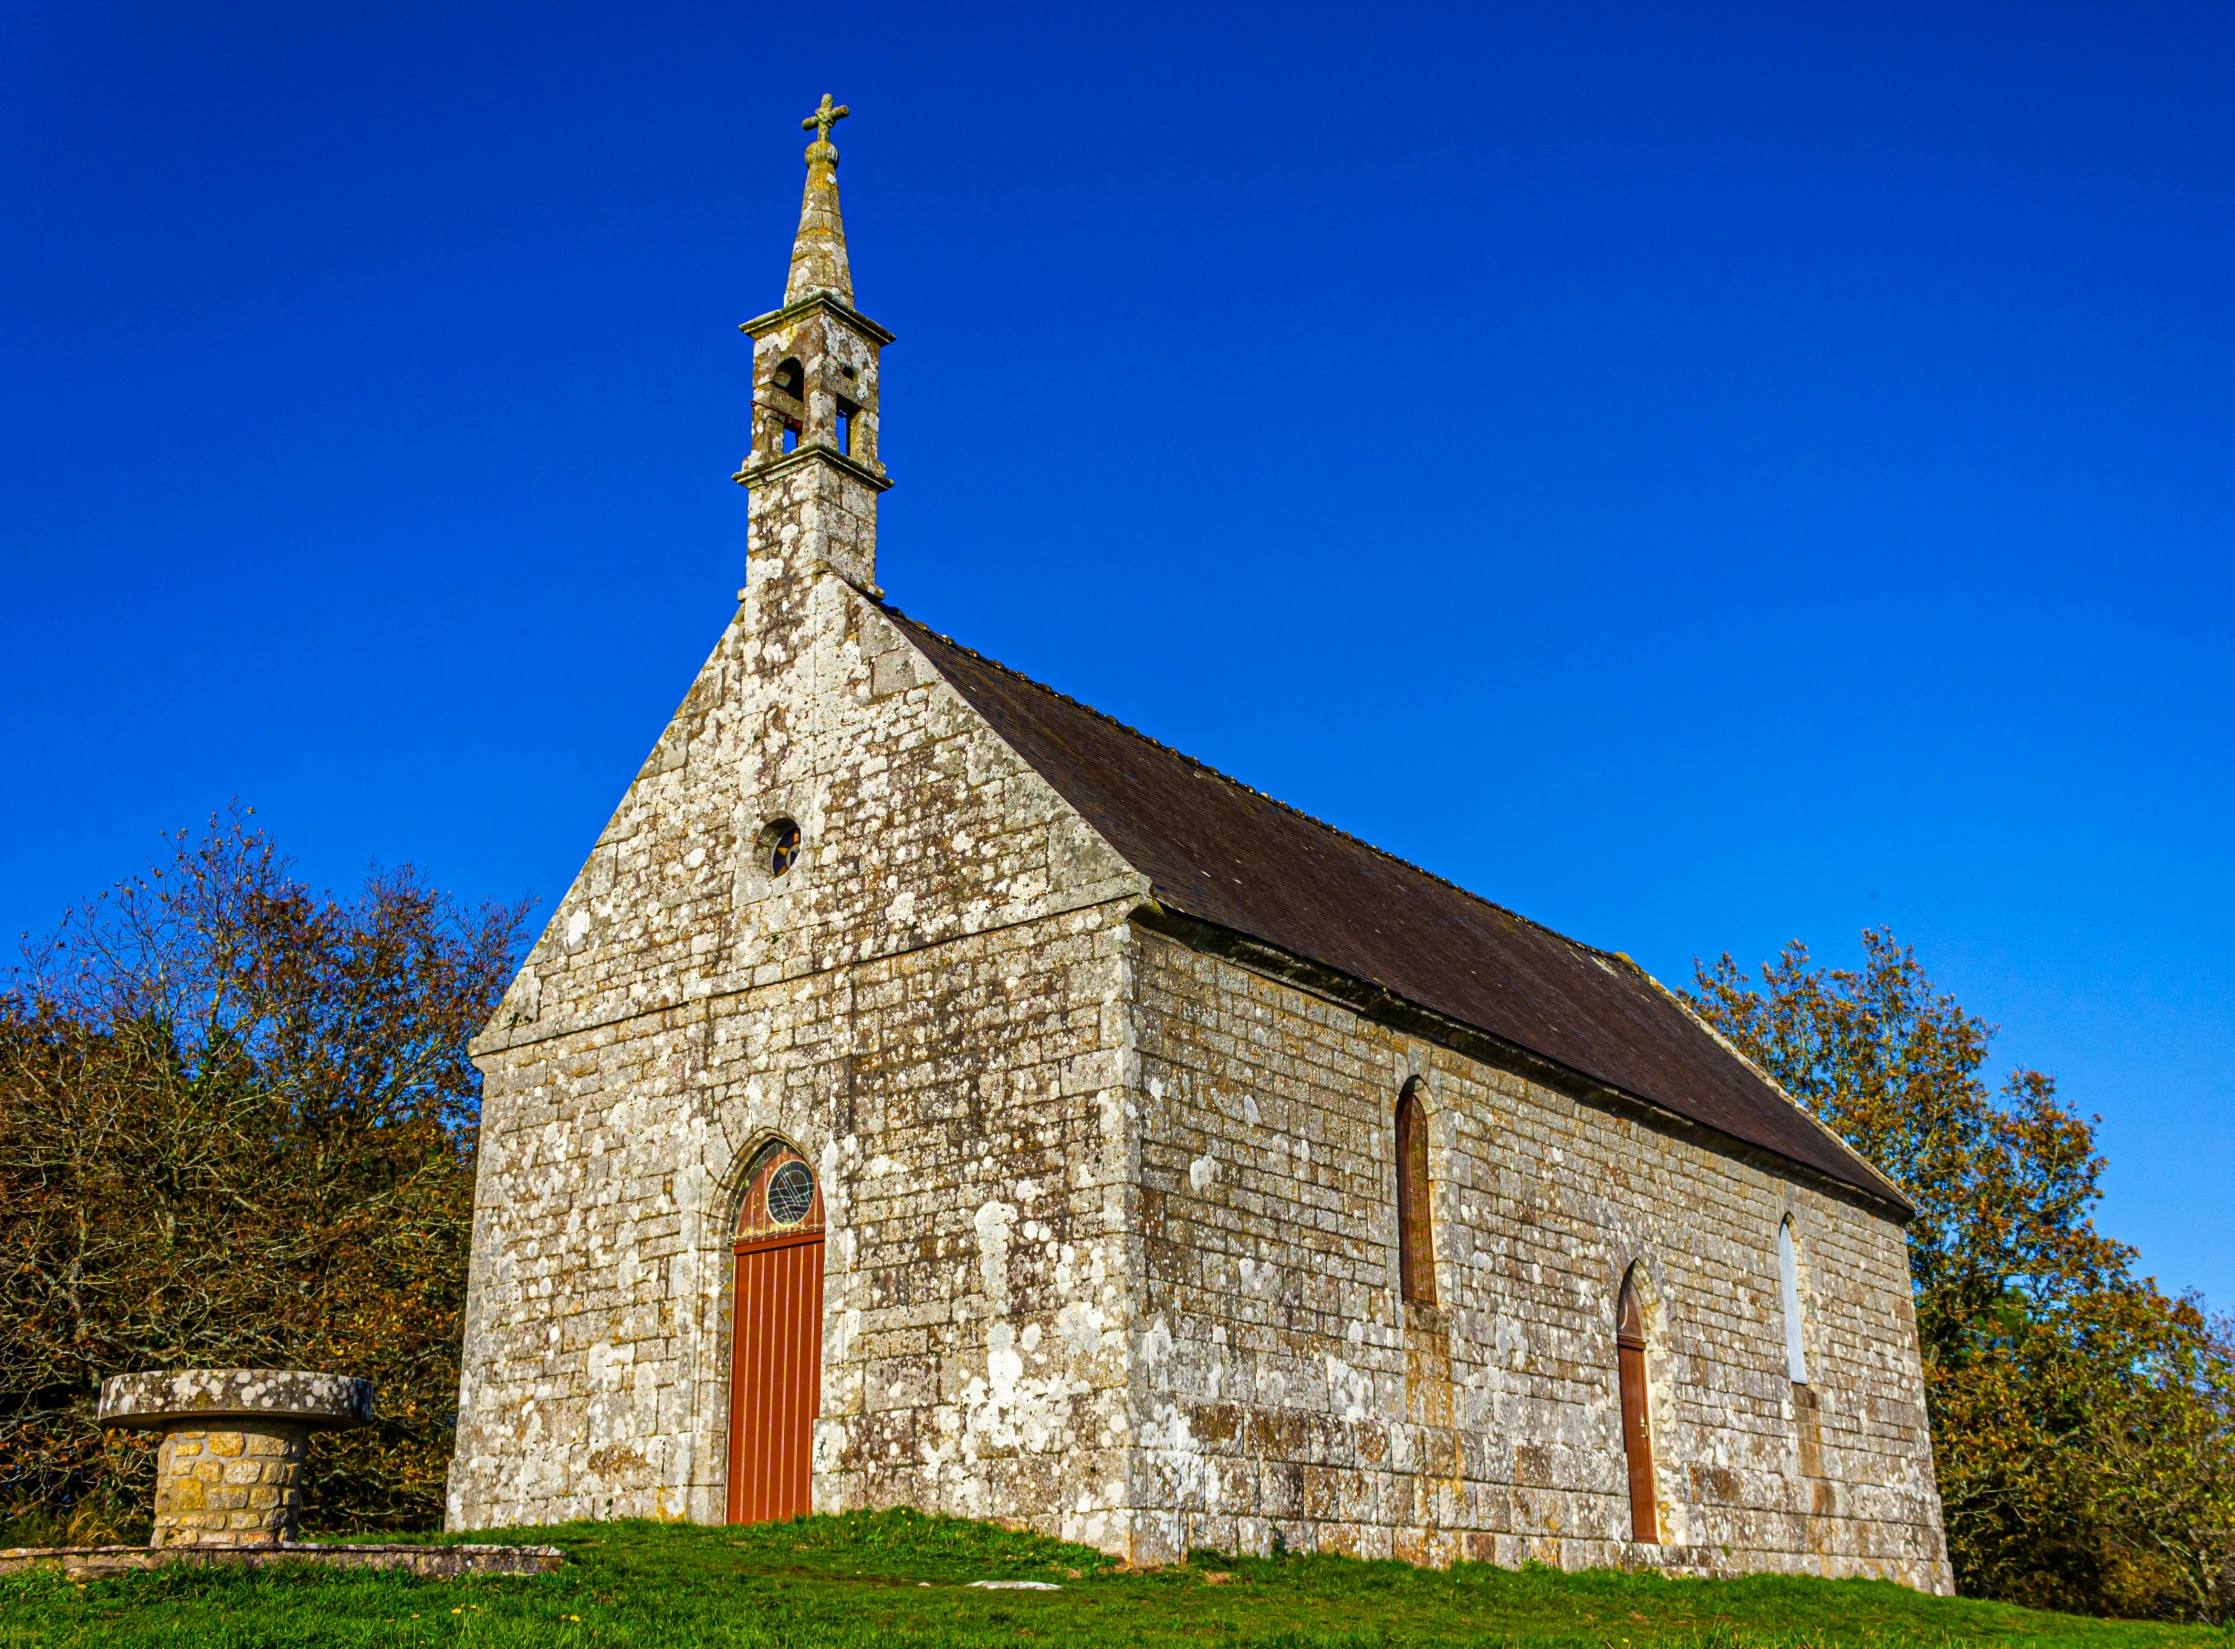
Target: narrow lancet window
point(1637, 1430)
point(1788, 1280)
point(1416, 1252)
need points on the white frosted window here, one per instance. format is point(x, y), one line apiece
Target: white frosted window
point(1788, 1276)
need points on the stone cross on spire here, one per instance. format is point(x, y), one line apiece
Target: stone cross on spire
point(819, 254)
point(823, 119)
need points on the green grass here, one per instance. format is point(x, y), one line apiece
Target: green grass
point(882, 1578)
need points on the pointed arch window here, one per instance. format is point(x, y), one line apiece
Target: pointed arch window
point(1416, 1249)
point(1788, 1282)
point(1637, 1426)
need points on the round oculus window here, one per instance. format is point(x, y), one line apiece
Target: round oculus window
point(780, 841)
point(791, 1193)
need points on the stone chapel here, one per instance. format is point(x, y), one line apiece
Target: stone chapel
point(934, 1093)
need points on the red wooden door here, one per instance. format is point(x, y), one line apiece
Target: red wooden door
point(776, 1353)
point(1637, 1429)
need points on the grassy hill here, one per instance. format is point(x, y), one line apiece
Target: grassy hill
point(890, 1578)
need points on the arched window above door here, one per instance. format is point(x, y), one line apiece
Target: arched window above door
point(1629, 1314)
point(782, 1198)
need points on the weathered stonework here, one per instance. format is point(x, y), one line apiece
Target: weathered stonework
point(229, 1485)
point(927, 1005)
point(151, 1400)
point(1287, 1387)
point(1110, 1216)
point(228, 1471)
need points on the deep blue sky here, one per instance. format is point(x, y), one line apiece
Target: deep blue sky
point(1702, 476)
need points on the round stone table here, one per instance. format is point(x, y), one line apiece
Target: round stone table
point(229, 1470)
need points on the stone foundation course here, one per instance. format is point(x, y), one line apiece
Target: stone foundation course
point(427, 1562)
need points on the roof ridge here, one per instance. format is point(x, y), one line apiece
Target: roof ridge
point(1228, 778)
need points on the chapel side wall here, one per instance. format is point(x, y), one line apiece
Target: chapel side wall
point(1285, 1387)
point(966, 1106)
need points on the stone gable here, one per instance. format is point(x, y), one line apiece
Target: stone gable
point(918, 825)
point(933, 945)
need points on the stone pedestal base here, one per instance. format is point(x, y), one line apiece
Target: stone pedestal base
point(236, 1484)
point(229, 1472)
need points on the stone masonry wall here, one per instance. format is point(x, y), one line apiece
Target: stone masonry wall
point(228, 1483)
point(974, 1166)
point(918, 825)
point(1285, 1387)
point(921, 1004)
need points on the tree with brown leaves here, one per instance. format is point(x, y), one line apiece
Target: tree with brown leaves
point(2083, 1422)
point(237, 1129)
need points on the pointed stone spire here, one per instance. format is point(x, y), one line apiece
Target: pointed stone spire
point(813, 470)
point(819, 254)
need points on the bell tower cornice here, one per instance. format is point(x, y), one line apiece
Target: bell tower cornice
point(808, 305)
point(756, 470)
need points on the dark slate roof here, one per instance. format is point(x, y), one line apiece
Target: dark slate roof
point(1219, 852)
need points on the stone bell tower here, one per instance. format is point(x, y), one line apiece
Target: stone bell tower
point(813, 472)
